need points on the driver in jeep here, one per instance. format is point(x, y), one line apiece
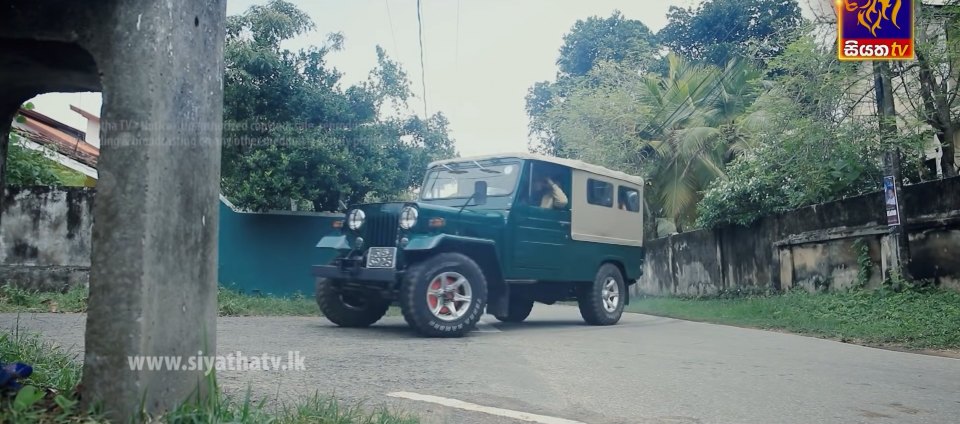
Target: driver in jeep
point(551, 195)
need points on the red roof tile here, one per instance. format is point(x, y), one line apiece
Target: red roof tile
point(60, 137)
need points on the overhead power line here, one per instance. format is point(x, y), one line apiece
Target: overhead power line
point(456, 61)
point(423, 69)
point(393, 34)
point(456, 54)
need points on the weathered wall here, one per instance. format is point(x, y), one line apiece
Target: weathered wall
point(747, 256)
point(657, 274)
point(936, 256)
point(45, 237)
point(45, 243)
point(817, 247)
point(696, 264)
point(832, 264)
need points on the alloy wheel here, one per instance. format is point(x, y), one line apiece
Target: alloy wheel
point(449, 296)
point(610, 294)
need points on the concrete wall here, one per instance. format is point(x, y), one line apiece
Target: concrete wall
point(45, 243)
point(816, 247)
point(45, 237)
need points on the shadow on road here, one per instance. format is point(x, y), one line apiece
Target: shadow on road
point(400, 330)
point(505, 326)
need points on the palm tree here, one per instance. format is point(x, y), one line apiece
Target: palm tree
point(695, 134)
point(678, 130)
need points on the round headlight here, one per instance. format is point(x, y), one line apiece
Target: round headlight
point(408, 217)
point(355, 219)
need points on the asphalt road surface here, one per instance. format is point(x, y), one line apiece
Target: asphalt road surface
point(555, 370)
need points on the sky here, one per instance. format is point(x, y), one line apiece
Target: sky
point(480, 56)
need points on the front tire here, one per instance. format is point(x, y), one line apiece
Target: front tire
point(443, 296)
point(517, 311)
point(601, 302)
point(352, 310)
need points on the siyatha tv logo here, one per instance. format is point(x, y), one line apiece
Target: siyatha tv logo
point(875, 29)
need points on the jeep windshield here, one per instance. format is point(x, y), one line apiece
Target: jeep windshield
point(456, 180)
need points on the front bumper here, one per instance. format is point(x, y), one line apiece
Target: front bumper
point(345, 269)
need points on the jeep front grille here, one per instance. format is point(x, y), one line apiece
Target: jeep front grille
point(381, 229)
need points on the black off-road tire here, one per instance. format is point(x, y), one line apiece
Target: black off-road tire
point(407, 318)
point(413, 295)
point(590, 297)
point(350, 310)
point(517, 311)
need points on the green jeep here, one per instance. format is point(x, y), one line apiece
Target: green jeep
point(488, 234)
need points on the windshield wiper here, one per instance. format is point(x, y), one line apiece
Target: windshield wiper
point(487, 170)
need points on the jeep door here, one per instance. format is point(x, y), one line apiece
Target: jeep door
point(541, 235)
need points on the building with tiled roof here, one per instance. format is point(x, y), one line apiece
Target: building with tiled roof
point(62, 143)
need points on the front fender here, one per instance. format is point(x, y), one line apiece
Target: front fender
point(335, 241)
point(430, 242)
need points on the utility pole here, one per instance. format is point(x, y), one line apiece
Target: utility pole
point(897, 255)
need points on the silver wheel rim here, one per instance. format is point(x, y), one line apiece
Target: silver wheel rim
point(610, 294)
point(449, 296)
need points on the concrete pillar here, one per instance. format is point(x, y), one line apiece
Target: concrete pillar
point(889, 259)
point(153, 279)
point(153, 283)
point(783, 267)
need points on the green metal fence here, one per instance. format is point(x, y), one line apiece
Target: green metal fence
point(270, 253)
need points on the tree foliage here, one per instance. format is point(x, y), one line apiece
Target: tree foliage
point(677, 130)
point(717, 31)
point(612, 39)
point(292, 133)
point(808, 140)
point(590, 42)
point(28, 167)
point(721, 138)
point(927, 88)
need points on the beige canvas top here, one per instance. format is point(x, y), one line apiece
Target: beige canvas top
point(571, 163)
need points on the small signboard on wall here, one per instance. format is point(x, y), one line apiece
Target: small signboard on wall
point(892, 203)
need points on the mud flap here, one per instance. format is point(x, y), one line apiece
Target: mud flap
point(499, 300)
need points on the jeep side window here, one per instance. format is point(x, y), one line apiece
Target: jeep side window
point(546, 187)
point(628, 199)
point(599, 193)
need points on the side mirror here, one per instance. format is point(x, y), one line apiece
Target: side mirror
point(480, 192)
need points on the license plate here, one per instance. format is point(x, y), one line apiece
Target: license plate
point(382, 257)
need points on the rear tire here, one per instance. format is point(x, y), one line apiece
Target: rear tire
point(352, 310)
point(601, 302)
point(443, 296)
point(517, 311)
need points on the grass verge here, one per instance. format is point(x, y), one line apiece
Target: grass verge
point(49, 396)
point(14, 299)
point(231, 302)
point(234, 303)
point(915, 319)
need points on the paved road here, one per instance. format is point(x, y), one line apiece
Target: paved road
point(645, 370)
